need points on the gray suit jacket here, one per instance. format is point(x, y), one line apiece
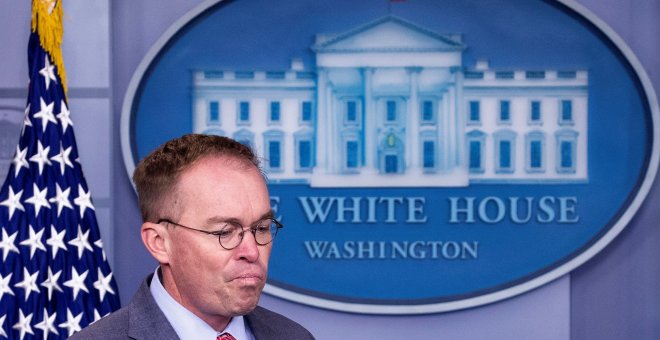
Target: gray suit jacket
point(143, 319)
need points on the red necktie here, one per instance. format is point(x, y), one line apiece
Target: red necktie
point(225, 336)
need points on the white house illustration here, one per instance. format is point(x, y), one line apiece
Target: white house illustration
point(390, 104)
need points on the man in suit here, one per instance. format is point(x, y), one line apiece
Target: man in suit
point(207, 221)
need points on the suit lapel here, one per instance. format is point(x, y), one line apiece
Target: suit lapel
point(258, 327)
point(145, 319)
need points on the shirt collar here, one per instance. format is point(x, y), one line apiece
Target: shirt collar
point(188, 325)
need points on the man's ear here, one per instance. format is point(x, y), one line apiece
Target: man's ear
point(156, 239)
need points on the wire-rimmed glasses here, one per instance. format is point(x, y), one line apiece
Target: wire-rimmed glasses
point(231, 235)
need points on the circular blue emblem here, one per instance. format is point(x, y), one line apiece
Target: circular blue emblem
point(424, 156)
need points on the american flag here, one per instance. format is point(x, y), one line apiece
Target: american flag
point(54, 276)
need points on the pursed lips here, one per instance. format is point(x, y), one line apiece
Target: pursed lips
point(249, 277)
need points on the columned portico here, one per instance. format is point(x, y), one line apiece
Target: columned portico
point(385, 75)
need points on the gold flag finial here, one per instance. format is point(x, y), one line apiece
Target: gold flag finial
point(47, 22)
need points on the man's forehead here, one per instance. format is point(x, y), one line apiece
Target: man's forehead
point(215, 185)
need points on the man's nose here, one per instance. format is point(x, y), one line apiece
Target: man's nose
point(248, 249)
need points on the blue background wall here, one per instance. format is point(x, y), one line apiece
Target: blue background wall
point(616, 295)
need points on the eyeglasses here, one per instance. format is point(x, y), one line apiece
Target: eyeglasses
point(231, 234)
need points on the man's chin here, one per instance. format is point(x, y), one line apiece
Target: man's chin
point(245, 306)
point(246, 297)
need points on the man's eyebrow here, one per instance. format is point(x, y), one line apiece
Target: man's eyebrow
point(232, 220)
point(269, 214)
point(220, 219)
